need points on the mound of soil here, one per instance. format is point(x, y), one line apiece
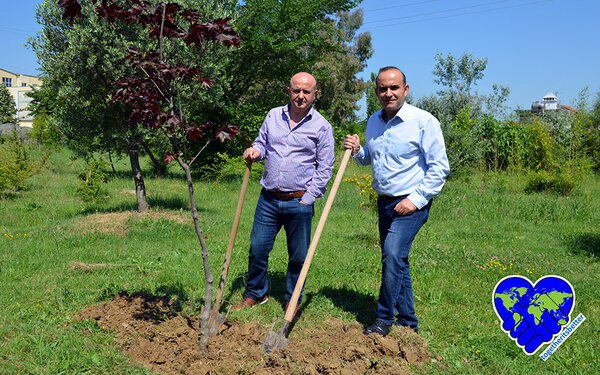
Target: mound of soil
point(151, 331)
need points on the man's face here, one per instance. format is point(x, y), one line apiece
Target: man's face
point(302, 91)
point(391, 91)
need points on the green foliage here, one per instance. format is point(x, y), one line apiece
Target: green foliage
point(7, 106)
point(543, 181)
point(458, 73)
point(335, 71)
point(463, 142)
point(92, 179)
point(228, 168)
point(363, 184)
point(538, 147)
point(16, 164)
point(279, 38)
point(45, 130)
point(503, 143)
point(372, 101)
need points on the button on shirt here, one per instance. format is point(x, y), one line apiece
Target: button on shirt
point(407, 154)
point(296, 159)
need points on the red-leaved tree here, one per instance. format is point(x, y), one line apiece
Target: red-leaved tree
point(153, 96)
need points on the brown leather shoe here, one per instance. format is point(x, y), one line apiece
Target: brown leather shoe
point(296, 314)
point(249, 302)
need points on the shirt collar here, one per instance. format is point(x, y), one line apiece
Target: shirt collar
point(403, 113)
point(309, 115)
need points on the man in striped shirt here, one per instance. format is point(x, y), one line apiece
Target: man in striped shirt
point(297, 145)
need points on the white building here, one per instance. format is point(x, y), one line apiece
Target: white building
point(19, 85)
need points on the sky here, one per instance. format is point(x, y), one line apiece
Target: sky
point(533, 47)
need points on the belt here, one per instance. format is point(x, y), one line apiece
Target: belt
point(287, 195)
point(389, 198)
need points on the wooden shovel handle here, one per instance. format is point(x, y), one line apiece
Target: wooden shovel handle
point(289, 313)
point(232, 235)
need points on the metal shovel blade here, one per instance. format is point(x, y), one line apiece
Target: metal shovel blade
point(277, 340)
point(216, 323)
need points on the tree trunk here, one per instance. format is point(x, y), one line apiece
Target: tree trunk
point(140, 188)
point(205, 314)
point(159, 168)
point(112, 165)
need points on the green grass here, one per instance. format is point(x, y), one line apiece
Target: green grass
point(481, 229)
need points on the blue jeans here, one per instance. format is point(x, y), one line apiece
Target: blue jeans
point(397, 234)
point(270, 215)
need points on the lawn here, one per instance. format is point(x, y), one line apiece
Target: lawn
point(59, 255)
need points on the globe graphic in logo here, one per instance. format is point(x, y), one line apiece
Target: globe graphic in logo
point(533, 314)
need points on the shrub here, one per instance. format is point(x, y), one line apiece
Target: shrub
point(463, 142)
point(45, 130)
point(16, 166)
point(231, 168)
point(539, 147)
point(543, 181)
point(504, 143)
point(92, 177)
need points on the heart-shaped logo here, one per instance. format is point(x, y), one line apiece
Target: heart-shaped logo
point(533, 314)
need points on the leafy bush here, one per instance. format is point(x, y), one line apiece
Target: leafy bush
point(16, 166)
point(539, 147)
point(463, 142)
point(45, 130)
point(504, 143)
point(231, 168)
point(541, 181)
point(92, 177)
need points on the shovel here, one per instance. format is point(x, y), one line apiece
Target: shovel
point(278, 340)
point(216, 318)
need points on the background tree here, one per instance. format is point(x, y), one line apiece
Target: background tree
point(340, 89)
point(154, 91)
point(80, 62)
point(458, 73)
point(468, 119)
point(372, 101)
point(280, 38)
point(7, 106)
point(42, 105)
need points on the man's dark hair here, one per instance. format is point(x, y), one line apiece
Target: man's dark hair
point(386, 68)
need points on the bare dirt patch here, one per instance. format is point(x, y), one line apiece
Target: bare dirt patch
point(118, 222)
point(153, 333)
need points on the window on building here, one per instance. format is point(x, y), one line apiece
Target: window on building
point(7, 81)
point(23, 84)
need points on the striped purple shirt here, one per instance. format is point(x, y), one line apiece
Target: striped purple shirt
point(296, 159)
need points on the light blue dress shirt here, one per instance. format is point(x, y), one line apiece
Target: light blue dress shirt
point(407, 154)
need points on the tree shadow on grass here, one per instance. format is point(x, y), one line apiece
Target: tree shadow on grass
point(164, 302)
point(276, 290)
point(360, 304)
point(7, 194)
point(171, 203)
point(587, 244)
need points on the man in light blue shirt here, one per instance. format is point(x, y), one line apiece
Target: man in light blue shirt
point(406, 150)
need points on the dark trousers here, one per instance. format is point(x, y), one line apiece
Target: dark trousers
point(397, 234)
point(271, 214)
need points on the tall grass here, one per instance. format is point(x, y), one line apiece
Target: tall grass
point(482, 227)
